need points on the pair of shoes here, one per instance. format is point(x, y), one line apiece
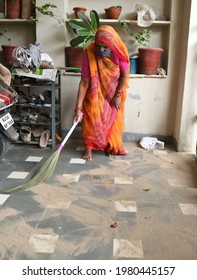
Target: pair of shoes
point(33, 118)
point(46, 98)
point(37, 131)
point(44, 138)
point(25, 134)
point(43, 118)
point(35, 101)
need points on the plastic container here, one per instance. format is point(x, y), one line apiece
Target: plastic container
point(134, 65)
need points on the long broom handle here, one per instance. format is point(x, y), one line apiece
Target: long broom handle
point(68, 134)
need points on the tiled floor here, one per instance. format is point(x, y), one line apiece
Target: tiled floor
point(139, 206)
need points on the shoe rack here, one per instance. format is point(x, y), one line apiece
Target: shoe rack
point(36, 113)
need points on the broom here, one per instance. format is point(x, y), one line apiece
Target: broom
point(48, 167)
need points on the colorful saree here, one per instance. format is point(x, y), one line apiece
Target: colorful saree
point(103, 124)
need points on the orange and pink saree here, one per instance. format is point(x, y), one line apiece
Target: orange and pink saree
point(103, 124)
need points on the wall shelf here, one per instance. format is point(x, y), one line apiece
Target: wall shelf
point(5, 20)
point(133, 22)
point(131, 75)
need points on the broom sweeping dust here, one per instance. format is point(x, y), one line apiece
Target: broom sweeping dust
point(48, 167)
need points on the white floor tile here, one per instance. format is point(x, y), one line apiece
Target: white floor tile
point(125, 206)
point(18, 175)
point(188, 208)
point(44, 243)
point(71, 178)
point(77, 160)
point(123, 181)
point(34, 159)
point(3, 198)
point(123, 248)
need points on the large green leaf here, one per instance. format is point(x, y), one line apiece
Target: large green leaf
point(85, 20)
point(77, 24)
point(87, 42)
point(77, 41)
point(84, 32)
point(85, 28)
point(94, 20)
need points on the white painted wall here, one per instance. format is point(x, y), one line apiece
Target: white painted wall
point(186, 117)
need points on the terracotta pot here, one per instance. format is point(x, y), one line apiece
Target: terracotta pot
point(13, 9)
point(79, 9)
point(27, 9)
point(7, 54)
point(149, 60)
point(74, 56)
point(113, 12)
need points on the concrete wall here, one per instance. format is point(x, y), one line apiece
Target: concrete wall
point(186, 117)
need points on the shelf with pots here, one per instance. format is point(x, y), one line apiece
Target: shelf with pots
point(159, 26)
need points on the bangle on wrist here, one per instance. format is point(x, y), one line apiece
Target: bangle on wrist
point(78, 109)
point(118, 92)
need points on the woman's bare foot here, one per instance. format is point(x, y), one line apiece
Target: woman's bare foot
point(87, 155)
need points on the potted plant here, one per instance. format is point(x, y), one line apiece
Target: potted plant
point(84, 32)
point(12, 8)
point(7, 48)
point(85, 29)
point(149, 58)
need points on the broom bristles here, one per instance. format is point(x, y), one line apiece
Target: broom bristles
point(47, 168)
point(43, 173)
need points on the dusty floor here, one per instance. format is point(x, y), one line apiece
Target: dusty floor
point(139, 206)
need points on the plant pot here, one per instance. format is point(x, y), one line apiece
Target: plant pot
point(7, 54)
point(149, 60)
point(74, 57)
point(79, 9)
point(13, 9)
point(26, 9)
point(113, 12)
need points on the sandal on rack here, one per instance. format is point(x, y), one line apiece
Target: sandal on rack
point(44, 138)
point(25, 134)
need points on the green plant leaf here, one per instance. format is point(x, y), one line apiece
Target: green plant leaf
point(77, 41)
point(94, 20)
point(77, 24)
point(84, 18)
point(84, 32)
point(85, 28)
point(87, 42)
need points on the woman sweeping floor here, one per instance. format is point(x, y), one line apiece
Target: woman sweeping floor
point(102, 93)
